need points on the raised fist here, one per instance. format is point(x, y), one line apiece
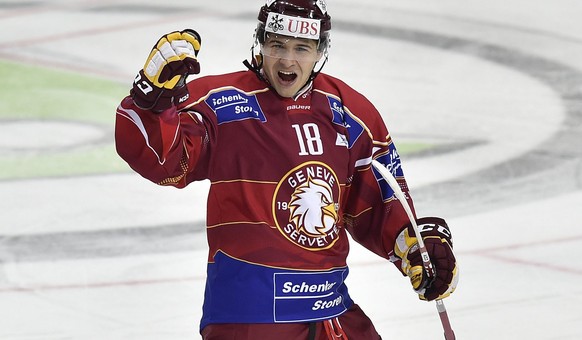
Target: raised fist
point(439, 245)
point(160, 83)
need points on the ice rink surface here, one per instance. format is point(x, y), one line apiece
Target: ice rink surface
point(496, 84)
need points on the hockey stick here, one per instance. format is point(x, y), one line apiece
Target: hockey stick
point(387, 175)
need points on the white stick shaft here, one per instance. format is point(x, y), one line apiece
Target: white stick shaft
point(387, 175)
point(399, 195)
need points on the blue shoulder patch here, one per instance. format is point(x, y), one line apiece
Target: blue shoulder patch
point(233, 105)
point(340, 117)
point(391, 161)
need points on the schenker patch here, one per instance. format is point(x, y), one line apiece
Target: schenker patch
point(305, 206)
point(232, 105)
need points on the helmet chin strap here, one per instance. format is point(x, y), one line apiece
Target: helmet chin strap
point(309, 82)
point(256, 63)
point(315, 73)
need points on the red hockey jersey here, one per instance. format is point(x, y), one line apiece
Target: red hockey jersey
point(288, 178)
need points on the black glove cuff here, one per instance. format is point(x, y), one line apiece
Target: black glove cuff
point(149, 97)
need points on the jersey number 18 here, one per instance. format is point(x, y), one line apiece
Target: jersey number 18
point(309, 139)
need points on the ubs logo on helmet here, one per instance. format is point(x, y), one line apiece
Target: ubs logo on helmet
point(296, 27)
point(305, 206)
point(276, 24)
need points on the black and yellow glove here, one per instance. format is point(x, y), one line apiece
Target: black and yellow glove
point(439, 245)
point(160, 84)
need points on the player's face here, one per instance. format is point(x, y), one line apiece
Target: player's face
point(288, 62)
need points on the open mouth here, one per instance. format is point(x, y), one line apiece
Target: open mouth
point(287, 77)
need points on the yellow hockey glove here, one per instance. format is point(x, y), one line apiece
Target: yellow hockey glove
point(160, 83)
point(439, 245)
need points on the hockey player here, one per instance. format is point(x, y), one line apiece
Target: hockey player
point(287, 150)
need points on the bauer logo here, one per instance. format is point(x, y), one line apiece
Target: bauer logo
point(305, 206)
point(232, 105)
